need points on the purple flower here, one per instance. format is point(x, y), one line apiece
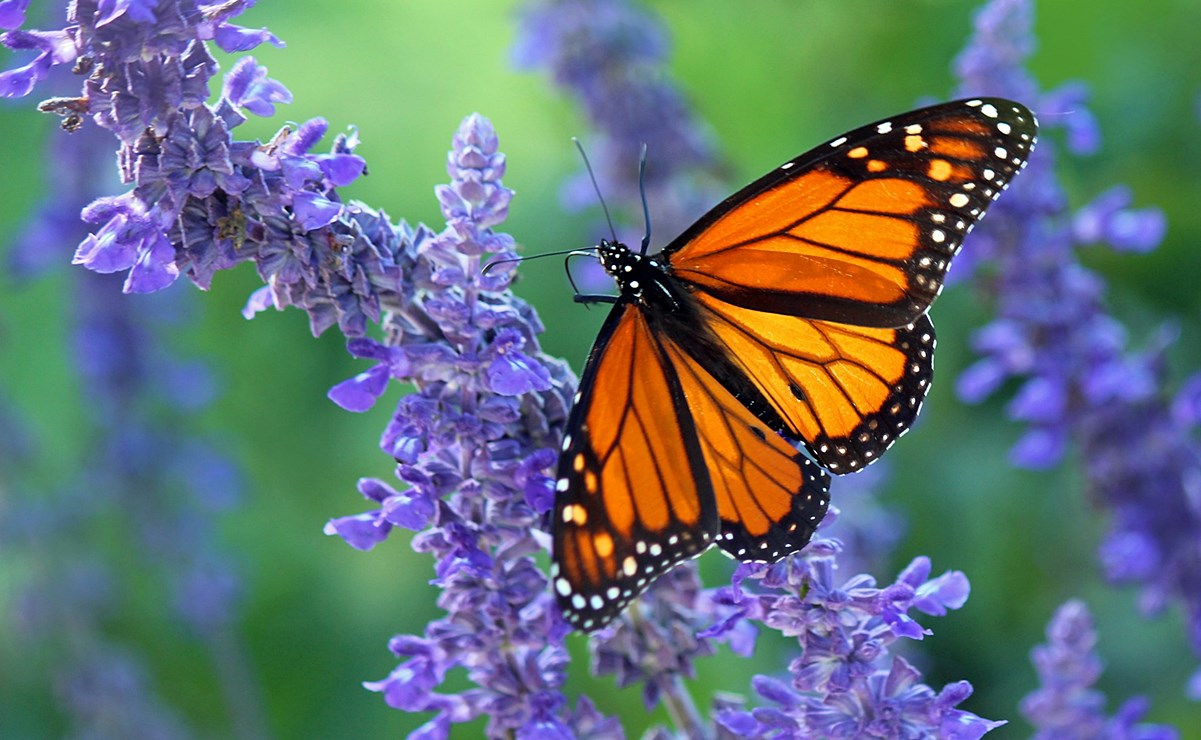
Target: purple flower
point(248, 86)
point(1065, 705)
point(147, 492)
point(1080, 385)
point(203, 201)
point(12, 13)
point(657, 643)
point(53, 48)
point(610, 55)
point(846, 682)
point(471, 444)
point(1110, 219)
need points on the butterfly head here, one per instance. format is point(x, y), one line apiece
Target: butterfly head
point(633, 272)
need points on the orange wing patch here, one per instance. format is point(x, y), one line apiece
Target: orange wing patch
point(839, 242)
point(633, 497)
point(770, 497)
point(847, 391)
point(771, 212)
point(861, 230)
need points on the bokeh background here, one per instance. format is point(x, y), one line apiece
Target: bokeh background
point(771, 79)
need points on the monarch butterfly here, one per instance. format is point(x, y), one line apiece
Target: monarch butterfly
point(791, 315)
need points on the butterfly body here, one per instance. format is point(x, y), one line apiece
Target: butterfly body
point(639, 278)
point(781, 338)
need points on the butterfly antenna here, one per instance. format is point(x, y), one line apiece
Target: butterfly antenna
point(596, 187)
point(646, 211)
point(505, 260)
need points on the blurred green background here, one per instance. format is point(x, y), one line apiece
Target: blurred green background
point(771, 78)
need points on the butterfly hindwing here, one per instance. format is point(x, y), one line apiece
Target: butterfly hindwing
point(633, 496)
point(770, 497)
point(861, 229)
point(848, 391)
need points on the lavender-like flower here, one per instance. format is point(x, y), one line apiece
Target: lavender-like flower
point(474, 443)
point(166, 487)
point(1080, 384)
point(845, 681)
point(1066, 706)
point(610, 55)
point(203, 201)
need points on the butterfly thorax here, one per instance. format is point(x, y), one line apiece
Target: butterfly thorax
point(639, 277)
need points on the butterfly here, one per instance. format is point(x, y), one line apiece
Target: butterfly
point(780, 338)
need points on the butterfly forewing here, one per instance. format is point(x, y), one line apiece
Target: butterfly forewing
point(862, 229)
point(634, 497)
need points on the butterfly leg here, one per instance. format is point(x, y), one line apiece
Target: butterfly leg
point(588, 300)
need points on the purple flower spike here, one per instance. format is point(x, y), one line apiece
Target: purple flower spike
point(846, 683)
point(1081, 385)
point(1065, 705)
point(471, 444)
point(203, 201)
point(611, 56)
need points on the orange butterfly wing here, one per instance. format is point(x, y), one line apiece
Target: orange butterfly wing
point(848, 391)
point(816, 277)
point(770, 497)
point(633, 496)
point(661, 461)
point(860, 230)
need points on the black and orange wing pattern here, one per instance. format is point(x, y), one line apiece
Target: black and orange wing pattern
point(848, 391)
point(861, 229)
point(770, 497)
point(793, 312)
point(817, 276)
point(661, 460)
point(633, 497)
